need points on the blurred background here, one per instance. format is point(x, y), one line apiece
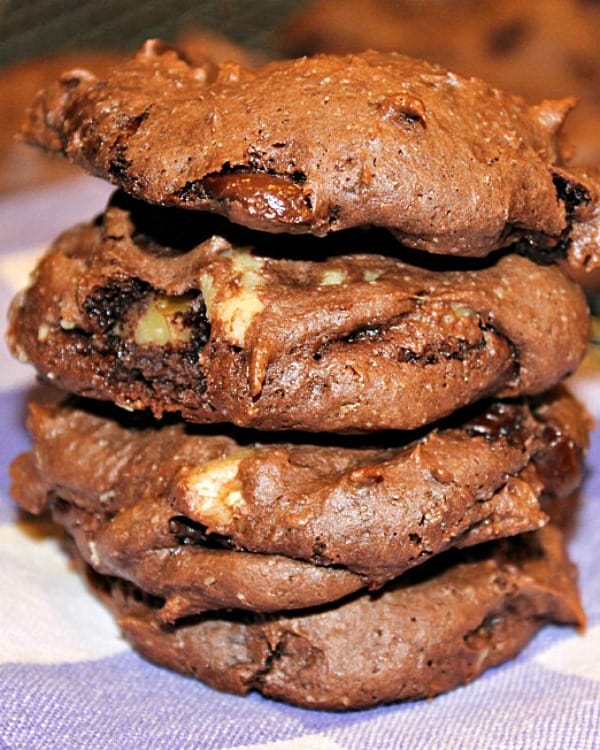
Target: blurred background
point(41, 38)
point(30, 28)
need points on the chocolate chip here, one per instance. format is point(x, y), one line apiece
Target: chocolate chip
point(263, 194)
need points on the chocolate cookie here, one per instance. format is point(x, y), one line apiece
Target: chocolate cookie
point(422, 635)
point(319, 144)
point(180, 513)
point(150, 308)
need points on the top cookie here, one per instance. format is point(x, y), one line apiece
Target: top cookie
point(320, 144)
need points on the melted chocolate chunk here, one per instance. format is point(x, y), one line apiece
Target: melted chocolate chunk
point(560, 465)
point(501, 420)
point(262, 195)
point(573, 193)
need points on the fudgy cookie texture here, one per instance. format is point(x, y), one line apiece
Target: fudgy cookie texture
point(206, 522)
point(447, 163)
point(150, 308)
point(538, 49)
point(427, 633)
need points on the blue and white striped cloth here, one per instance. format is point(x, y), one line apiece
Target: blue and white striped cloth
point(67, 680)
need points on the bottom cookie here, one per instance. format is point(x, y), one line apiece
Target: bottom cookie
point(436, 628)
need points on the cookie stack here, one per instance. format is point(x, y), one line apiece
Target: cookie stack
point(365, 523)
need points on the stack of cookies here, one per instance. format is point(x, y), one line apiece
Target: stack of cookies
point(336, 261)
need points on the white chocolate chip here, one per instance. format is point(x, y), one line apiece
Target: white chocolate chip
point(43, 333)
point(213, 491)
point(333, 277)
point(207, 287)
point(236, 304)
point(157, 324)
point(94, 558)
point(370, 275)
point(462, 311)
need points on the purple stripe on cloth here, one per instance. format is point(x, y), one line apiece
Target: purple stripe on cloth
point(584, 542)
point(126, 703)
point(13, 440)
point(518, 706)
point(592, 479)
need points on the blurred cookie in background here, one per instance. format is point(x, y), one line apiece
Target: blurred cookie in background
point(197, 42)
point(539, 49)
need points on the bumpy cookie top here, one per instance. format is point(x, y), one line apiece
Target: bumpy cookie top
point(318, 144)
